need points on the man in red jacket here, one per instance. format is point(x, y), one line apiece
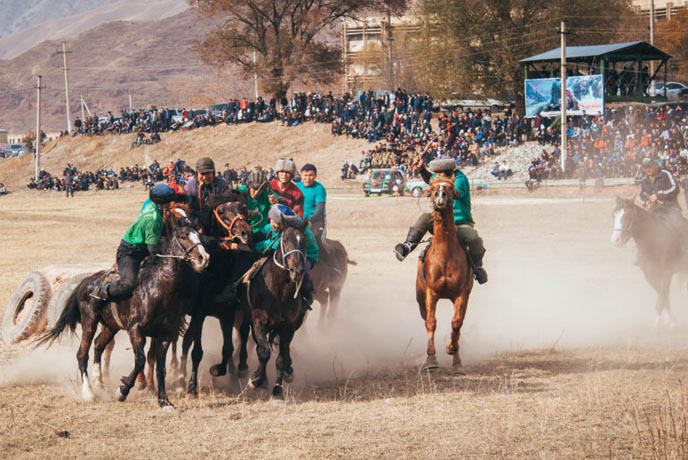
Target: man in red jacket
point(284, 191)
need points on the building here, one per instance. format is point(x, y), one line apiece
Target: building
point(4, 136)
point(664, 9)
point(368, 48)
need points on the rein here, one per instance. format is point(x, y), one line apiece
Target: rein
point(283, 265)
point(186, 251)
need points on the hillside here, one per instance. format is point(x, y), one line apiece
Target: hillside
point(153, 62)
point(242, 145)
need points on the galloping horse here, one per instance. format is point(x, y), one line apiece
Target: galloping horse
point(659, 249)
point(155, 310)
point(227, 223)
point(273, 299)
point(444, 273)
point(329, 276)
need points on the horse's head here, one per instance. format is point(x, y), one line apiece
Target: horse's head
point(291, 254)
point(231, 216)
point(624, 215)
point(184, 239)
point(442, 193)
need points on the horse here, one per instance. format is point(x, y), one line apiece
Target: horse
point(329, 276)
point(444, 273)
point(659, 249)
point(226, 224)
point(272, 300)
point(156, 308)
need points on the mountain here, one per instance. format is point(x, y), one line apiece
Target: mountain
point(151, 62)
point(25, 23)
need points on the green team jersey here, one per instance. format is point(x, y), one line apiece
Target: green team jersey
point(147, 228)
point(271, 243)
point(462, 203)
point(261, 204)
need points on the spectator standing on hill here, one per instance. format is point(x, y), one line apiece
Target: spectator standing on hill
point(69, 184)
point(204, 187)
point(284, 190)
point(314, 200)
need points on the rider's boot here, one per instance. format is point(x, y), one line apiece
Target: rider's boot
point(413, 238)
point(477, 251)
point(99, 295)
point(307, 293)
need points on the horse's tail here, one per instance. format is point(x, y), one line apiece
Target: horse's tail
point(70, 316)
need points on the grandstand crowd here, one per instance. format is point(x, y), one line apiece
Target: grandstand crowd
point(399, 125)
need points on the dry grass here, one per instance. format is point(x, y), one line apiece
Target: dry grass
point(560, 361)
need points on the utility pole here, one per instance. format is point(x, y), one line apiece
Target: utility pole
point(563, 96)
point(389, 44)
point(38, 129)
point(652, 42)
point(64, 53)
point(255, 75)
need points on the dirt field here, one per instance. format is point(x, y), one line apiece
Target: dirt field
point(561, 357)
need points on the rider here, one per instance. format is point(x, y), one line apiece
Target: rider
point(659, 193)
point(270, 235)
point(284, 191)
point(140, 240)
point(315, 197)
point(468, 236)
point(257, 197)
point(204, 187)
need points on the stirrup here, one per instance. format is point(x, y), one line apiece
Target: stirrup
point(402, 250)
point(480, 275)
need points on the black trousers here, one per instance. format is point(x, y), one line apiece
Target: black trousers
point(129, 260)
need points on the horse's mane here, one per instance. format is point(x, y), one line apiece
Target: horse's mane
point(295, 222)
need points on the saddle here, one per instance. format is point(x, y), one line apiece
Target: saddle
point(251, 272)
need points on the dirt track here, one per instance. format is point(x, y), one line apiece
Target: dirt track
point(560, 357)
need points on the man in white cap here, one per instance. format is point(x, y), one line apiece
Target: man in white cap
point(463, 219)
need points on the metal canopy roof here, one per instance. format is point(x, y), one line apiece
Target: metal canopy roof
point(613, 52)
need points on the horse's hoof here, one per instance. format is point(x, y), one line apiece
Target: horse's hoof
point(457, 369)
point(255, 383)
point(88, 396)
point(288, 377)
point(430, 364)
point(166, 406)
point(119, 396)
point(218, 370)
point(449, 349)
point(278, 392)
point(242, 373)
point(141, 386)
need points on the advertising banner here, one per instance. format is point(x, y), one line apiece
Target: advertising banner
point(584, 95)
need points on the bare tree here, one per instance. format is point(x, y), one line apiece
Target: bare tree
point(281, 40)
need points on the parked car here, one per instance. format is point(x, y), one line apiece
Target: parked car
point(16, 150)
point(217, 109)
point(416, 187)
point(673, 90)
point(384, 180)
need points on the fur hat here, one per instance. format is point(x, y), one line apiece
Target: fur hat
point(442, 165)
point(205, 165)
point(285, 164)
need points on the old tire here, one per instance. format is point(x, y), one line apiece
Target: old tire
point(25, 312)
point(59, 299)
point(417, 192)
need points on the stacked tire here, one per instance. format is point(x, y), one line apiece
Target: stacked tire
point(25, 313)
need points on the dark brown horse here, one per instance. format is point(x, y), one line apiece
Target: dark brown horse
point(659, 249)
point(329, 276)
point(226, 224)
point(156, 308)
point(272, 299)
point(444, 273)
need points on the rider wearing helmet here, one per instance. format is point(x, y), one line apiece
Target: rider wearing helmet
point(204, 187)
point(140, 240)
point(271, 234)
point(463, 219)
point(284, 191)
point(257, 197)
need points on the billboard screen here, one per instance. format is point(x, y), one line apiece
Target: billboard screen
point(584, 94)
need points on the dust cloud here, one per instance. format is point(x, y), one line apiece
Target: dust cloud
point(555, 282)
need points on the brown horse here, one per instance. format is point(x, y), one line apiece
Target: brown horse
point(156, 308)
point(444, 273)
point(329, 276)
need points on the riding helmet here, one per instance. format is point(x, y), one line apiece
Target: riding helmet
point(285, 164)
point(162, 193)
point(278, 211)
point(256, 179)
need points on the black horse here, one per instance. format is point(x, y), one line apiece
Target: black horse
point(272, 299)
point(329, 276)
point(165, 290)
point(659, 249)
point(230, 234)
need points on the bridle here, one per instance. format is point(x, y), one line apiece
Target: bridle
point(626, 232)
point(229, 228)
point(283, 265)
point(185, 251)
point(438, 186)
